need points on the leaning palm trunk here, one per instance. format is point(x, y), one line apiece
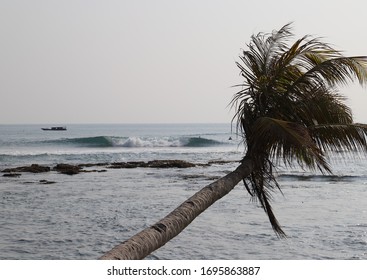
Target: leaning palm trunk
point(150, 239)
point(288, 110)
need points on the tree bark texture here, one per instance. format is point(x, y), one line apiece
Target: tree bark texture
point(150, 239)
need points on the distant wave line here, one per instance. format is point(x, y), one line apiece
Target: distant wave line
point(135, 142)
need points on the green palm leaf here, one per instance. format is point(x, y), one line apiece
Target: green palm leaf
point(340, 137)
point(289, 109)
point(288, 141)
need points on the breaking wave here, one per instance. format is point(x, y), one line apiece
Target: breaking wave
point(98, 141)
point(135, 142)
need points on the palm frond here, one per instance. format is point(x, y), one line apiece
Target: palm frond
point(329, 70)
point(289, 108)
point(260, 185)
point(288, 141)
point(340, 137)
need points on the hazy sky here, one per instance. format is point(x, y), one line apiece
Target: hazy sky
point(145, 61)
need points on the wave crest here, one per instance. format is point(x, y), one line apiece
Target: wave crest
point(201, 142)
point(136, 142)
point(97, 141)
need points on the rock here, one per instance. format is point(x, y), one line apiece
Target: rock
point(34, 168)
point(46, 182)
point(8, 170)
point(12, 175)
point(75, 169)
point(170, 164)
point(94, 170)
point(67, 169)
point(131, 164)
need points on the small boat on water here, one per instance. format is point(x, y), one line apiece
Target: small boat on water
point(55, 128)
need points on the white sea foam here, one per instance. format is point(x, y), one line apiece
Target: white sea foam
point(137, 142)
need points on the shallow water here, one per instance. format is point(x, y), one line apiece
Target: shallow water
point(82, 216)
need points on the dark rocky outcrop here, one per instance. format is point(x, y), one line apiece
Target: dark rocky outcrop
point(130, 164)
point(34, 168)
point(170, 164)
point(12, 175)
point(70, 169)
point(67, 169)
point(46, 182)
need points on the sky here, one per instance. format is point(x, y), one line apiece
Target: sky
point(145, 61)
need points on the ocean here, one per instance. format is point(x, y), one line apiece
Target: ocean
point(57, 216)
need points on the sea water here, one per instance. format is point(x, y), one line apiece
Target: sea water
point(84, 215)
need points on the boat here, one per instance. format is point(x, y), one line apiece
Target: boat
point(55, 128)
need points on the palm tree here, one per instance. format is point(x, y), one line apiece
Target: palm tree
point(287, 110)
